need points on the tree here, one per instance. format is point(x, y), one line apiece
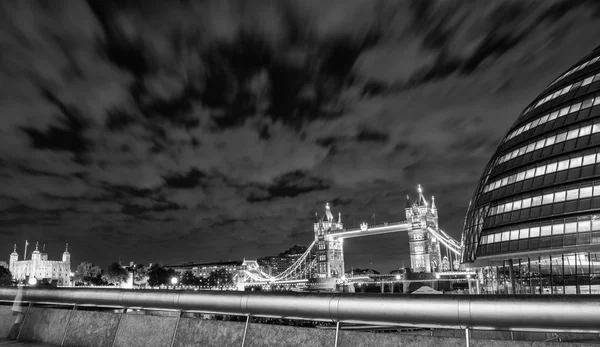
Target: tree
point(220, 278)
point(140, 275)
point(158, 275)
point(116, 274)
point(88, 273)
point(5, 277)
point(188, 279)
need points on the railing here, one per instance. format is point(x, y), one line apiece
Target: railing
point(565, 313)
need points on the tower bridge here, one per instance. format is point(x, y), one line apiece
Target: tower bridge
point(427, 244)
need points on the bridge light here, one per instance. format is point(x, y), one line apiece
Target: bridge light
point(32, 281)
point(437, 276)
point(344, 278)
point(174, 280)
point(398, 277)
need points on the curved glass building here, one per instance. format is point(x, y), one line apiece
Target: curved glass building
point(533, 225)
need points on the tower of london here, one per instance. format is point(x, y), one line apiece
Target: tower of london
point(40, 268)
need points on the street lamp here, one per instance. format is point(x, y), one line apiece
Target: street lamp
point(32, 281)
point(174, 281)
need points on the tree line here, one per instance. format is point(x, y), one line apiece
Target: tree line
point(143, 276)
point(89, 274)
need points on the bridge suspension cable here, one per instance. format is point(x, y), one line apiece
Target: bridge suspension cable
point(291, 271)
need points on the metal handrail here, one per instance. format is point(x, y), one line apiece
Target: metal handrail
point(564, 313)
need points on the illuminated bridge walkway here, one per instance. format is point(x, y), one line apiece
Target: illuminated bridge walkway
point(431, 249)
point(86, 317)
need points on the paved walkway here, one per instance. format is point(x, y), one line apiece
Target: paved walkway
point(4, 342)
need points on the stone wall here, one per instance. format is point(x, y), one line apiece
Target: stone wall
point(98, 329)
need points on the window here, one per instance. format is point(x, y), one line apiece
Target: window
point(546, 230)
point(550, 141)
point(589, 159)
point(535, 231)
point(537, 200)
point(540, 171)
point(547, 198)
point(585, 130)
point(517, 205)
point(557, 229)
point(559, 196)
point(571, 228)
point(526, 202)
point(561, 137)
point(572, 134)
point(529, 173)
point(524, 233)
point(505, 235)
point(583, 226)
point(498, 237)
point(585, 192)
point(563, 111)
point(575, 162)
point(514, 234)
point(521, 176)
point(563, 165)
point(572, 194)
point(576, 107)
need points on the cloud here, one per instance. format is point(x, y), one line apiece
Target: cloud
point(216, 129)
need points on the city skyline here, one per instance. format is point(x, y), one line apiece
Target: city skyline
point(216, 131)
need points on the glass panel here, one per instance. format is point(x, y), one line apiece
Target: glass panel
point(587, 103)
point(505, 235)
point(530, 147)
point(508, 207)
point(539, 144)
point(530, 173)
point(526, 203)
point(540, 170)
point(535, 231)
point(514, 234)
point(553, 115)
point(551, 167)
point(575, 162)
point(585, 130)
point(572, 194)
point(517, 205)
point(563, 165)
point(521, 176)
point(597, 190)
point(561, 137)
point(547, 198)
point(572, 134)
point(524, 233)
point(585, 192)
point(497, 237)
point(550, 140)
point(589, 159)
point(575, 107)
point(546, 230)
point(596, 127)
point(583, 226)
point(563, 111)
point(537, 200)
point(571, 228)
point(557, 229)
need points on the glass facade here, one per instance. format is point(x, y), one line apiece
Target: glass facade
point(533, 225)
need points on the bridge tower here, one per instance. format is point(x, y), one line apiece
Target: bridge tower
point(330, 251)
point(424, 247)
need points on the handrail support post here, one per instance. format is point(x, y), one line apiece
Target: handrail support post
point(337, 333)
point(467, 337)
point(245, 330)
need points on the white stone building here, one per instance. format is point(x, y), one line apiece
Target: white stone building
point(41, 268)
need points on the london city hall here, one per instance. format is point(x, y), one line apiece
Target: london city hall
point(533, 225)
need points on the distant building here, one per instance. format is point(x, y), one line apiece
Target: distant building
point(39, 267)
point(236, 268)
point(274, 265)
point(204, 269)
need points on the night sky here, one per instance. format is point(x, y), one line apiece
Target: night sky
point(163, 131)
